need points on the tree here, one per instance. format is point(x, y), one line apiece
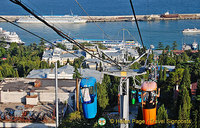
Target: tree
point(75, 47)
point(160, 45)
point(176, 77)
point(174, 45)
point(167, 47)
point(58, 64)
point(184, 106)
point(184, 57)
point(195, 119)
point(198, 87)
point(74, 120)
point(162, 115)
point(76, 74)
point(102, 95)
point(164, 74)
point(52, 66)
point(186, 79)
point(68, 61)
point(160, 74)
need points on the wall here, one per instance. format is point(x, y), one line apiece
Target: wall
point(27, 125)
point(50, 97)
point(13, 97)
point(18, 97)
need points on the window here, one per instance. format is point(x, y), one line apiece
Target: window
point(149, 99)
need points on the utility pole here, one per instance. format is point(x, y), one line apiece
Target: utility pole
point(56, 94)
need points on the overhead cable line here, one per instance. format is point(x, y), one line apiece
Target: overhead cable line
point(63, 35)
point(137, 24)
point(93, 20)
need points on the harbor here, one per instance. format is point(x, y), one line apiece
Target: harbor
point(120, 18)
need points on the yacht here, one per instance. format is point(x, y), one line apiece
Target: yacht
point(52, 19)
point(9, 37)
point(195, 30)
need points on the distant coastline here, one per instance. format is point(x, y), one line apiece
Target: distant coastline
point(122, 18)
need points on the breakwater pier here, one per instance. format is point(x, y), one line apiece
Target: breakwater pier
point(122, 18)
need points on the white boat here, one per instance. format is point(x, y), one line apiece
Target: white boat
point(52, 19)
point(9, 37)
point(195, 30)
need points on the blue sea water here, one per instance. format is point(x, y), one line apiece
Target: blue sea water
point(102, 7)
point(152, 32)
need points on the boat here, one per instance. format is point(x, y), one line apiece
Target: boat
point(195, 30)
point(52, 19)
point(9, 37)
point(167, 15)
point(121, 43)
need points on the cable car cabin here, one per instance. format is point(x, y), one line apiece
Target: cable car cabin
point(139, 97)
point(149, 101)
point(88, 93)
point(133, 96)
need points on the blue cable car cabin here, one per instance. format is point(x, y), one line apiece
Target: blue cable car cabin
point(88, 93)
point(139, 97)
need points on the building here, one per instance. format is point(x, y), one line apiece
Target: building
point(35, 91)
point(66, 43)
point(65, 72)
point(57, 54)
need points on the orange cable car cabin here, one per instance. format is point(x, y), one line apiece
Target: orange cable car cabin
point(149, 102)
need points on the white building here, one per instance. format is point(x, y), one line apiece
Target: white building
point(57, 54)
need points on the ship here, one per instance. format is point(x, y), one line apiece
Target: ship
point(9, 37)
point(52, 19)
point(121, 43)
point(195, 30)
point(167, 15)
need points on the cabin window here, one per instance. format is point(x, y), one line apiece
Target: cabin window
point(149, 99)
point(86, 95)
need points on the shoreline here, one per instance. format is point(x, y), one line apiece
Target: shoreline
point(121, 18)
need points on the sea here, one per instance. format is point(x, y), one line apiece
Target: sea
point(152, 32)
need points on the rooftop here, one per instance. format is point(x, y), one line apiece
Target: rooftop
point(26, 84)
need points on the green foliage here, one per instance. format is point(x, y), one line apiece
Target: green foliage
point(174, 45)
point(20, 60)
point(160, 45)
point(184, 56)
point(62, 46)
point(160, 74)
point(194, 119)
point(176, 77)
point(169, 60)
point(75, 47)
point(186, 79)
point(102, 95)
point(198, 87)
point(74, 120)
point(77, 62)
point(101, 46)
point(164, 74)
point(76, 74)
point(86, 44)
point(162, 115)
point(44, 65)
point(136, 65)
point(167, 47)
point(184, 106)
